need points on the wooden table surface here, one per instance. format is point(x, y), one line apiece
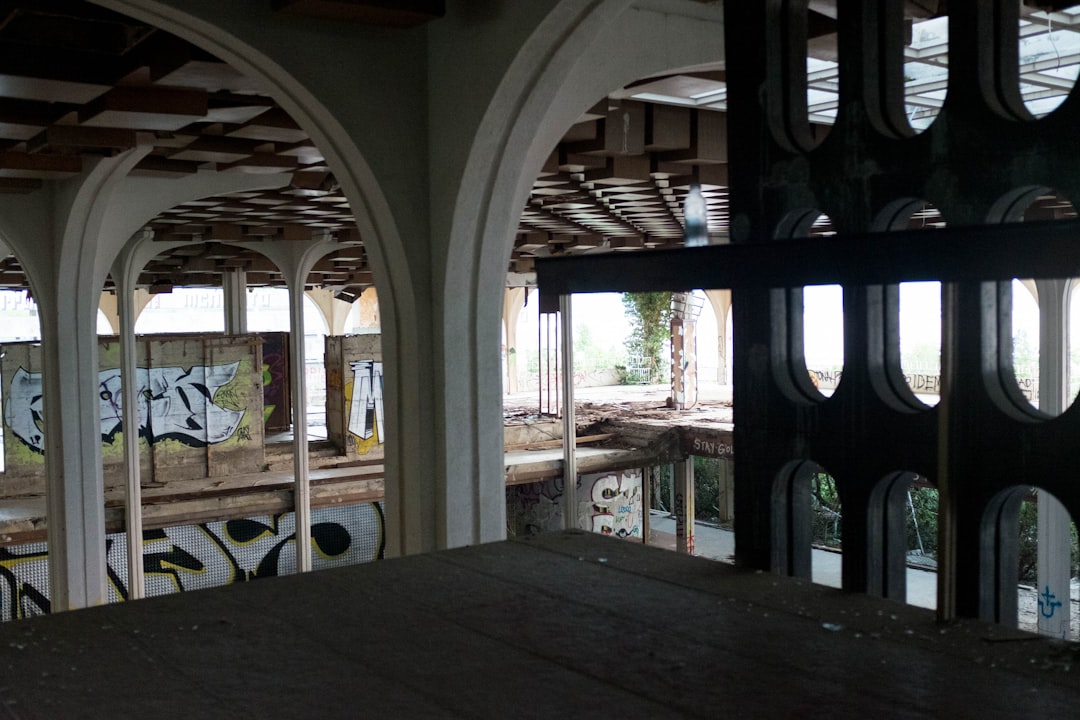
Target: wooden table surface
point(559, 626)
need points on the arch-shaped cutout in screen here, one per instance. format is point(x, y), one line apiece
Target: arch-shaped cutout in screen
point(926, 71)
point(1025, 339)
point(920, 339)
point(1049, 57)
point(823, 336)
point(826, 530)
point(1034, 591)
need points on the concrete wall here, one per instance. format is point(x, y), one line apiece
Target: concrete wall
point(194, 557)
point(608, 503)
point(277, 401)
point(200, 410)
point(354, 395)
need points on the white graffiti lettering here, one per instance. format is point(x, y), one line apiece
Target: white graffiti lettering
point(173, 403)
point(366, 408)
point(713, 448)
point(193, 557)
point(617, 504)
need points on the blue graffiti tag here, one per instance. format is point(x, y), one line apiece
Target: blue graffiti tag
point(1046, 600)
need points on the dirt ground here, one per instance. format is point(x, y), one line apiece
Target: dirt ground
point(647, 403)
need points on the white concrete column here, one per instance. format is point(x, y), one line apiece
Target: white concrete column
point(1054, 545)
point(301, 470)
point(84, 208)
point(335, 312)
point(138, 251)
point(566, 390)
point(721, 305)
point(108, 306)
point(295, 260)
point(234, 287)
point(513, 303)
point(683, 506)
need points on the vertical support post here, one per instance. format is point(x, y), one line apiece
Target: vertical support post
point(1053, 519)
point(947, 539)
point(684, 505)
point(234, 285)
point(301, 470)
point(678, 367)
point(549, 352)
point(647, 474)
point(130, 397)
point(671, 495)
point(727, 490)
point(566, 388)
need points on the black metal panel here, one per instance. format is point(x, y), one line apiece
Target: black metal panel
point(981, 159)
point(1048, 249)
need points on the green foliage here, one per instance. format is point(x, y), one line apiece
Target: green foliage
point(923, 358)
point(590, 355)
point(706, 488)
point(924, 502)
point(650, 326)
point(1025, 355)
point(661, 487)
point(1029, 544)
point(825, 510)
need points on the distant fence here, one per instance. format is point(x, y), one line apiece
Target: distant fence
point(581, 378)
point(923, 383)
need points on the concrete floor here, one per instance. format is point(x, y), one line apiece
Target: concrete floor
point(564, 625)
point(716, 543)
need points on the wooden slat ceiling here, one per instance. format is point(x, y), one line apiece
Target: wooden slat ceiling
point(78, 81)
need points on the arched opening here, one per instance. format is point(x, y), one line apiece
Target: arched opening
point(252, 135)
point(926, 70)
point(1025, 335)
point(24, 571)
point(808, 360)
point(1040, 318)
point(920, 339)
point(823, 336)
point(1032, 584)
point(807, 524)
point(903, 535)
point(826, 524)
point(363, 317)
point(1049, 45)
point(822, 322)
point(19, 329)
point(822, 79)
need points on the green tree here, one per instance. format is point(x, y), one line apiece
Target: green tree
point(924, 504)
point(707, 488)
point(650, 326)
point(824, 510)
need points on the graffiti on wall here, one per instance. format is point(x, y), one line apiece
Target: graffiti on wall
point(365, 397)
point(194, 557)
point(533, 508)
point(174, 403)
point(608, 503)
point(275, 381)
point(617, 504)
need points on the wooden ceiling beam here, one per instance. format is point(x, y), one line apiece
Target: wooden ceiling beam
point(39, 167)
point(19, 185)
point(387, 13)
point(145, 108)
point(708, 129)
point(67, 138)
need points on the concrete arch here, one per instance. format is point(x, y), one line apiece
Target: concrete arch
point(272, 48)
point(561, 69)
